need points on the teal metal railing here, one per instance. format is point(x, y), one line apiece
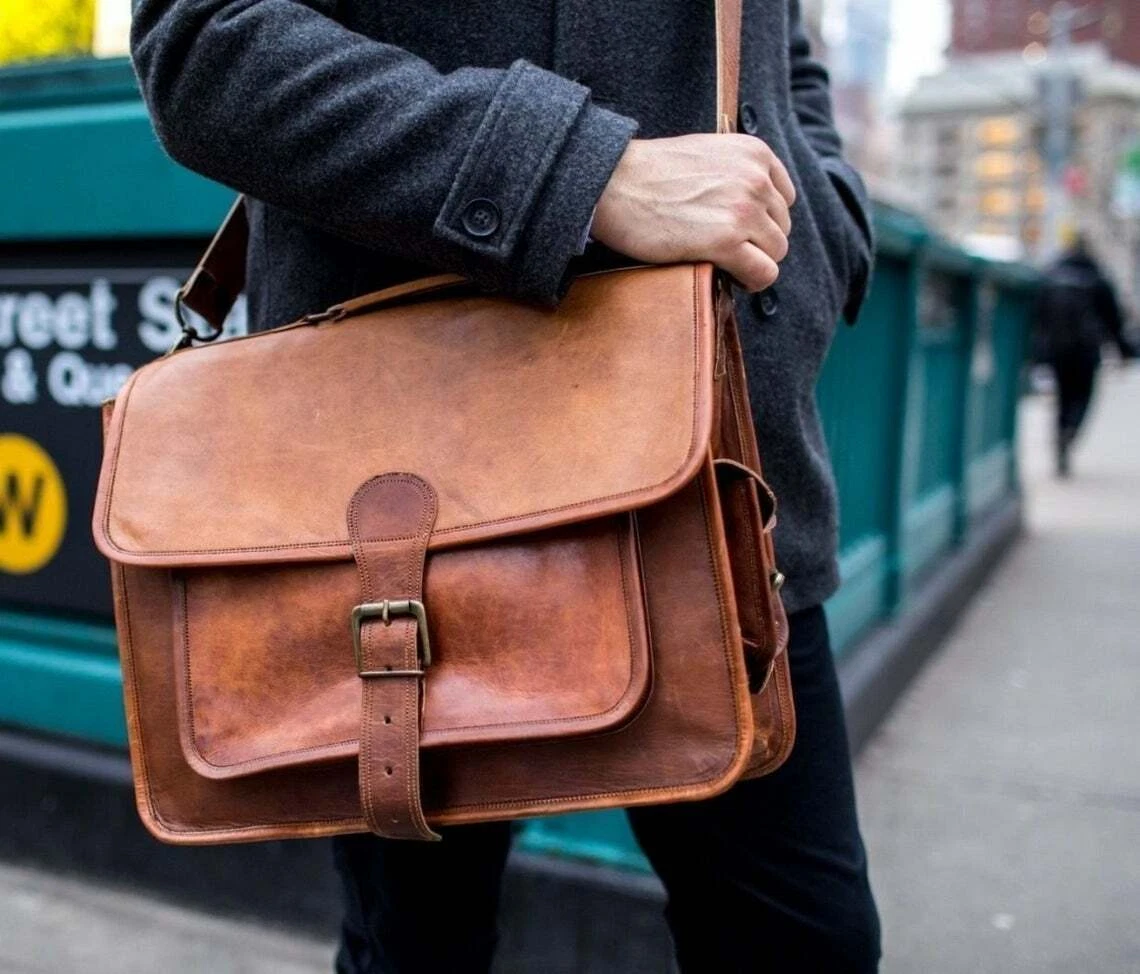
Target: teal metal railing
point(918, 401)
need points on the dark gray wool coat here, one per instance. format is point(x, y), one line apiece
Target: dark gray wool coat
point(380, 138)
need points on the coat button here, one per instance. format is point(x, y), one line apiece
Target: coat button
point(767, 303)
point(481, 218)
point(749, 120)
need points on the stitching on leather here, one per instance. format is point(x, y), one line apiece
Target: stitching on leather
point(138, 751)
point(182, 586)
point(732, 692)
point(745, 442)
point(127, 656)
point(341, 542)
point(267, 761)
point(630, 642)
point(514, 803)
point(409, 693)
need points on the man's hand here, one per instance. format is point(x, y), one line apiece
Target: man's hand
point(720, 198)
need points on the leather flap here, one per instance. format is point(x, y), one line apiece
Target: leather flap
point(520, 418)
point(532, 638)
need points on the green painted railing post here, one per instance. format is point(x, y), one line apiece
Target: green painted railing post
point(963, 403)
point(1022, 325)
point(908, 407)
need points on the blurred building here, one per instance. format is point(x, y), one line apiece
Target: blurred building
point(855, 41)
point(974, 145)
point(980, 26)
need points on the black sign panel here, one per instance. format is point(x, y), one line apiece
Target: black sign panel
point(69, 338)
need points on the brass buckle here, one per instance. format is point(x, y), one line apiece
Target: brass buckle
point(385, 611)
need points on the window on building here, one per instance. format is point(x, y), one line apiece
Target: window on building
point(998, 202)
point(997, 166)
point(37, 30)
point(947, 136)
point(998, 131)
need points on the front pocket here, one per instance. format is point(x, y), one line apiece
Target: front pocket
point(267, 676)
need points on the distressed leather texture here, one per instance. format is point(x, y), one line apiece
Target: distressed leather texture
point(594, 620)
point(390, 519)
point(572, 495)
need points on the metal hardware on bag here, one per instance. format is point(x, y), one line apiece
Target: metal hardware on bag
point(190, 334)
point(777, 579)
point(385, 611)
point(335, 313)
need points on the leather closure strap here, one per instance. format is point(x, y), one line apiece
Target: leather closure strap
point(214, 285)
point(390, 520)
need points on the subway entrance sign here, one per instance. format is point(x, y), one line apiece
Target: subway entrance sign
point(70, 336)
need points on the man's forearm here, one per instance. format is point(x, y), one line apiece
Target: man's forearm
point(493, 173)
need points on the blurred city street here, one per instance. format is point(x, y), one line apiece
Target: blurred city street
point(1000, 801)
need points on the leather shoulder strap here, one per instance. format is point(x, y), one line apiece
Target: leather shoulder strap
point(729, 14)
point(214, 285)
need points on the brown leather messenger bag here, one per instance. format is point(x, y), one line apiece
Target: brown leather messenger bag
point(433, 556)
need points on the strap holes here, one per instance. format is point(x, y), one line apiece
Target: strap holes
point(387, 719)
point(388, 770)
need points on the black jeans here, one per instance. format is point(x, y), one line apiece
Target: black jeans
point(1076, 381)
point(769, 877)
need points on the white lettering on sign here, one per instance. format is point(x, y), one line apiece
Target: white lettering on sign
point(73, 381)
point(72, 320)
point(83, 319)
point(159, 328)
point(18, 377)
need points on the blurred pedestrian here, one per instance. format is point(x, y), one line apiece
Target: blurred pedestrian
point(383, 141)
point(1077, 313)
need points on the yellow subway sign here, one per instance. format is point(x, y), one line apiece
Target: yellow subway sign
point(33, 506)
point(31, 30)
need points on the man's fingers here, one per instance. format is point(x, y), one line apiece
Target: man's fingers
point(751, 267)
point(779, 212)
point(782, 181)
point(770, 238)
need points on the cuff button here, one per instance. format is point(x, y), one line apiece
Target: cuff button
point(481, 218)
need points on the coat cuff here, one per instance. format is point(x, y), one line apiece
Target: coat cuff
point(564, 215)
point(527, 186)
point(853, 194)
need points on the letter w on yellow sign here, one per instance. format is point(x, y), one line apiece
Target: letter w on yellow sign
point(33, 506)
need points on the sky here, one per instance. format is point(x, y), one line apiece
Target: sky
point(920, 31)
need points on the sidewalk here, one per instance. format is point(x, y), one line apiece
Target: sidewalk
point(56, 925)
point(1001, 800)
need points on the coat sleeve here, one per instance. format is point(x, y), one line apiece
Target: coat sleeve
point(811, 102)
point(491, 173)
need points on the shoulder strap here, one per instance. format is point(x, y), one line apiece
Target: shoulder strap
point(214, 285)
point(728, 19)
